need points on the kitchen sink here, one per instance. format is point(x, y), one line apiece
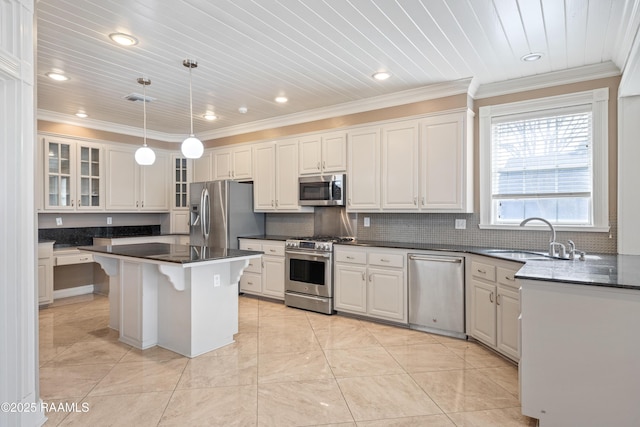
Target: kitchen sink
point(522, 255)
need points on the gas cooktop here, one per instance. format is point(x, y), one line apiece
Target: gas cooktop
point(316, 243)
point(332, 239)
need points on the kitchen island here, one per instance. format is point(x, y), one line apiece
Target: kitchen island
point(179, 297)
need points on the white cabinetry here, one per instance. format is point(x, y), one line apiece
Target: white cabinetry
point(180, 202)
point(495, 304)
point(426, 166)
point(371, 282)
point(45, 273)
point(363, 176)
point(203, 168)
point(132, 187)
point(276, 177)
point(323, 153)
point(74, 176)
point(264, 276)
point(233, 163)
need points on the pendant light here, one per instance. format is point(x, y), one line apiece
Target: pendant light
point(192, 147)
point(145, 155)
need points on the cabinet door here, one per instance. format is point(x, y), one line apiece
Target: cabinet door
point(180, 222)
point(242, 163)
point(441, 161)
point(334, 152)
point(273, 276)
point(484, 312)
point(122, 180)
point(508, 305)
point(181, 179)
point(350, 288)
point(386, 294)
point(90, 183)
point(155, 184)
point(287, 175)
point(310, 155)
point(222, 164)
point(264, 192)
point(251, 283)
point(59, 164)
point(400, 166)
point(363, 185)
point(202, 168)
point(45, 281)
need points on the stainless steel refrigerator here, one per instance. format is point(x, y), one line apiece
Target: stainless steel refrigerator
point(222, 211)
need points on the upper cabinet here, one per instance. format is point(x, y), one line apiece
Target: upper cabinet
point(203, 168)
point(426, 166)
point(275, 183)
point(132, 187)
point(233, 163)
point(323, 153)
point(74, 176)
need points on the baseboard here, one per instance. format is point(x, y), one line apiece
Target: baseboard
point(72, 292)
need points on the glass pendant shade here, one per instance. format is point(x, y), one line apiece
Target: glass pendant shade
point(192, 147)
point(144, 155)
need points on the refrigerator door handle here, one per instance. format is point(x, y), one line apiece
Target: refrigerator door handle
point(206, 220)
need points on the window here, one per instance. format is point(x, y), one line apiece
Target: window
point(545, 158)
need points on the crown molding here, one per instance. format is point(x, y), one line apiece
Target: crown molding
point(438, 90)
point(52, 116)
point(554, 78)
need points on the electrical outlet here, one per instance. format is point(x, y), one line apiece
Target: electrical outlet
point(216, 280)
point(59, 221)
point(109, 220)
point(461, 224)
point(367, 221)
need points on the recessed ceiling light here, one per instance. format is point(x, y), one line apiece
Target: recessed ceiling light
point(209, 116)
point(57, 76)
point(243, 110)
point(381, 75)
point(123, 39)
point(281, 99)
point(531, 57)
point(82, 114)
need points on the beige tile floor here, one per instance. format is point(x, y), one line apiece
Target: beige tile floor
point(287, 368)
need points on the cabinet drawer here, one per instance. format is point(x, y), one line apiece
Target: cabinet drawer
point(73, 259)
point(506, 277)
point(483, 271)
point(251, 282)
point(250, 246)
point(386, 259)
point(273, 249)
point(351, 257)
point(255, 266)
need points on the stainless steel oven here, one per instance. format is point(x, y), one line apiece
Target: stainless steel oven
point(309, 275)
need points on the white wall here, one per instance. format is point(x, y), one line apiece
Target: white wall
point(628, 175)
point(18, 310)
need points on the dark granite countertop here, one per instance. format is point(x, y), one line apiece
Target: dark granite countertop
point(609, 270)
point(267, 237)
point(178, 254)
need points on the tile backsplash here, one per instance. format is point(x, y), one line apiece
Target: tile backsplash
point(439, 228)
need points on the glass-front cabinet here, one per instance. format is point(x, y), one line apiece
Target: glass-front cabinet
point(180, 205)
point(74, 175)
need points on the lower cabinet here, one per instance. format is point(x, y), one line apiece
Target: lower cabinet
point(495, 305)
point(266, 275)
point(371, 282)
point(45, 273)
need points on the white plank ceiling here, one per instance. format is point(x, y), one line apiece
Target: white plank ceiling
point(318, 53)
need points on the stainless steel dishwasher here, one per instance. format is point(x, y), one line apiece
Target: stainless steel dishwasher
point(436, 294)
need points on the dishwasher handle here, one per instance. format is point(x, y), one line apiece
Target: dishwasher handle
point(435, 259)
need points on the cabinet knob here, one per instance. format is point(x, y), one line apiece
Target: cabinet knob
point(137, 205)
point(79, 202)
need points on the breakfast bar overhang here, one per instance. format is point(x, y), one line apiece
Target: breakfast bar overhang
point(179, 297)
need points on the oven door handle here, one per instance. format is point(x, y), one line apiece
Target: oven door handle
point(308, 255)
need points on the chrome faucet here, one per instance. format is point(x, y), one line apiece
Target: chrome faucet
point(552, 241)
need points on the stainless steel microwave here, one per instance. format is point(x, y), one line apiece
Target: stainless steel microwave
point(325, 190)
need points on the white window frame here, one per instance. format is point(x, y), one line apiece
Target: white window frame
point(599, 101)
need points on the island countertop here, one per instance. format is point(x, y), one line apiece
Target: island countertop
point(170, 253)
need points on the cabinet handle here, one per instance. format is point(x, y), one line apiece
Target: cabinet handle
point(324, 164)
point(84, 259)
point(512, 279)
point(349, 257)
point(249, 283)
point(143, 203)
point(491, 297)
point(363, 278)
point(384, 260)
point(498, 299)
point(272, 204)
point(272, 250)
point(415, 201)
point(370, 277)
point(79, 202)
point(72, 203)
point(276, 202)
point(481, 271)
point(318, 165)
point(137, 205)
point(423, 204)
